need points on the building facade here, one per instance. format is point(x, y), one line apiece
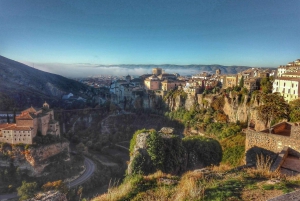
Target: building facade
point(31, 122)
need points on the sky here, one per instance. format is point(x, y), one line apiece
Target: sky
point(234, 32)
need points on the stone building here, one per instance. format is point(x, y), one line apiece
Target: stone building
point(168, 85)
point(28, 124)
point(230, 81)
point(287, 87)
point(252, 84)
point(152, 83)
point(157, 71)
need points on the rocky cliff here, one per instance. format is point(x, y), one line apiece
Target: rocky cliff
point(165, 151)
point(32, 159)
point(243, 111)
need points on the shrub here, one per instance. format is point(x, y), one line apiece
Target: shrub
point(206, 151)
point(27, 190)
point(155, 149)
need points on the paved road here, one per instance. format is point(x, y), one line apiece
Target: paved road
point(89, 170)
point(8, 196)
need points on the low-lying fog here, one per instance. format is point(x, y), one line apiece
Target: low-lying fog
point(85, 70)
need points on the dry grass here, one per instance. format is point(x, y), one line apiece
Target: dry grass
point(221, 168)
point(189, 187)
point(162, 194)
point(116, 192)
point(262, 170)
point(157, 175)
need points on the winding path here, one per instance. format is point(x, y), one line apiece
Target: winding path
point(89, 170)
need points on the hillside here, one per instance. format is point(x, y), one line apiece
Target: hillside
point(27, 86)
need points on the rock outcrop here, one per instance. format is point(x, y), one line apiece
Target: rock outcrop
point(49, 196)
point(244, 111)
point(33, 159)
point(165, 151)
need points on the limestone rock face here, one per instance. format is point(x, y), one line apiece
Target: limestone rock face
point(34, 159)
point(49, 196)
point(167, 130)
point(243, 112)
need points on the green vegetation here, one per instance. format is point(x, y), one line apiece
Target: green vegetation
point(295, 110)
point(171, 154)
point(133, 139)
point(273, 109)
point(55, 185)
point(202, 150)
point(266, 84)
point(27, 190)
point(216, 184)
point(175, 93)
point(233, 150)
point(222, 130)
point(155, 150)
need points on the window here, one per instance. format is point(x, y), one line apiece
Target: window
point(284, 84)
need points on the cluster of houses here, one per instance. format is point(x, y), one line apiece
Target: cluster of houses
point(161, 82)
point(286, 82)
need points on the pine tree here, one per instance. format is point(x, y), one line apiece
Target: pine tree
point(14, 119)
point(7, 118)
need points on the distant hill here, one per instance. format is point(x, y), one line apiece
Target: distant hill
point(193, 67)
point(22, 86)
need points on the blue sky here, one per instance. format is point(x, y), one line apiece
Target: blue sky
point(253, 33)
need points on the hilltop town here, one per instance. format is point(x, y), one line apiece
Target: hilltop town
point(227, 115)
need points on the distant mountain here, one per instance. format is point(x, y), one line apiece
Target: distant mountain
point(192, 67)
point(22, 86)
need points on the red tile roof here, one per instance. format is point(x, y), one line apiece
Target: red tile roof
point(18, 128)
point(26, 116)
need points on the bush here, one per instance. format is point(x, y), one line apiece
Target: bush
point(202, 150)
point(55, 185)
point(155, 149)
point(27, 190)
point(233, 150)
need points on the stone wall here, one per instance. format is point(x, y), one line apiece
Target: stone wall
point(272, 142)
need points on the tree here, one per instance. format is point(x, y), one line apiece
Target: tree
point(14, 118)
point(273, 107)
point(295, 110)
point(27, 190)
point(241, 84)
point(7, 118)
point(266, 84)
